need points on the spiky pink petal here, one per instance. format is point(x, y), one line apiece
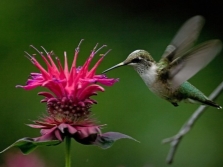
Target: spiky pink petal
point(88, 91)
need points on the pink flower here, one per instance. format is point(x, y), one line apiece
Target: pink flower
point(16, 159)
point(68, 102)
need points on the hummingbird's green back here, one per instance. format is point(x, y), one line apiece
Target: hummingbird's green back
point(186, 90)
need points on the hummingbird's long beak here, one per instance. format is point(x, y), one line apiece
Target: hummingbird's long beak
point(116, 66)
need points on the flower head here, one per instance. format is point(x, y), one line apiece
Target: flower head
point(68, 101)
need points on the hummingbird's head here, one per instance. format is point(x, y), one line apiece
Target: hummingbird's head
point(138, 59)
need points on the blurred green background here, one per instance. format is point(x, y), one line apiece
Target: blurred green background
point(128, 107)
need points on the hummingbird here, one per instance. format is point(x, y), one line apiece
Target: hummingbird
point(179, 62)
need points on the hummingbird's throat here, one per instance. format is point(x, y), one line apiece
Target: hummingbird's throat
point(148, 74)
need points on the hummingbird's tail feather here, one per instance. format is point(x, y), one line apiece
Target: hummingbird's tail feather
point(211, 103)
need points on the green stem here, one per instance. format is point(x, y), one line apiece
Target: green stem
point(68, 155)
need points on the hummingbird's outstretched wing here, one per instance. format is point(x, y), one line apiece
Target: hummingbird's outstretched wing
point(184, 67)
point(184, 39)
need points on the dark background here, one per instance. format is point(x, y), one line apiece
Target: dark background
point(128, 107)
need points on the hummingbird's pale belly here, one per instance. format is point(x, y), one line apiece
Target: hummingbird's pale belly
point(159, 88)
point(164, 91)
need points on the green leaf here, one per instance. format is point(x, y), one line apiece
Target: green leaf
point(27, 145)
point(106, 140)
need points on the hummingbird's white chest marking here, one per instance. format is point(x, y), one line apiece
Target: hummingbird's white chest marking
point(149, 74)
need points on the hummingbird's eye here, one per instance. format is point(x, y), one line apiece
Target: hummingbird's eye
point(136, 60)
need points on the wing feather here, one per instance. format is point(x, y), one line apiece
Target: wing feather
point(183, 68)
point(184, 39)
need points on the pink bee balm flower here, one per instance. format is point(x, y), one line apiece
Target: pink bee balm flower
point(68, 102)
point(16, 159)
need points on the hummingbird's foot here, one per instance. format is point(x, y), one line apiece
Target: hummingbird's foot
point(175, 104)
